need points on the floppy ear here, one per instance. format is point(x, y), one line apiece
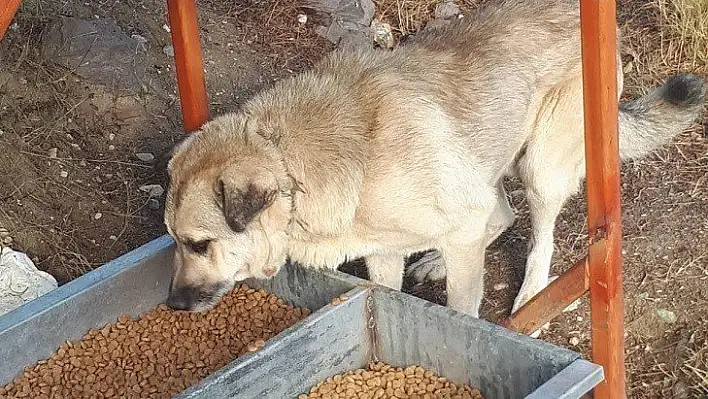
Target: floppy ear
point(241, 204)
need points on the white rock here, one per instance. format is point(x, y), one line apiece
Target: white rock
point(145, 156)
point(574, 341)
point(20, 280)
point(302, 19)
point(446, 10)
point(98, 215)
point(153, 190)
point(64, 174)
point(52, 153)
point(500, 286)
point(667, 315)
point(139, 39)
point(383, 34)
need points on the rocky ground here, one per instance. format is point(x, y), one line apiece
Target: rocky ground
point(88, 108)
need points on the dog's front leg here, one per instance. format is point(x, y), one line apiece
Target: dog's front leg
point(386, 270)
point(464, 261)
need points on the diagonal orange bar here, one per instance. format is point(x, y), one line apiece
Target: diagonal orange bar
point(551, 301)
point(599, 44)
point(188, 62)
point(8, 8)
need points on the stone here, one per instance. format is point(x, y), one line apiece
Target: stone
point(350, 22)
point(666, 315)
point(383, 35)
point(97, 50)
point(153, 190)
point(154, 204)
point(145, 156)
point(446, 10)
point(500, 286)
point(20, 280)
point(169, 50)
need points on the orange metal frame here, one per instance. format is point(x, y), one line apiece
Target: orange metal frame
point(600, 272)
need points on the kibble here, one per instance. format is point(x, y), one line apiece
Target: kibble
point(159, 354)
point(383, 381)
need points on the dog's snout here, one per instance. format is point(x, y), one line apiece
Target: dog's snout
point(183, 298)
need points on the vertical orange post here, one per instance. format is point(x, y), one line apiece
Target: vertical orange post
point(182, 16)
point(8, 8)
point(599, 44)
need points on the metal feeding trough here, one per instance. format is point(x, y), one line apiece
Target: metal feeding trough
point(373, 324)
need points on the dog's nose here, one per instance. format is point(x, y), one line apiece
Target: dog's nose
point(177, 302)
point(182, 298)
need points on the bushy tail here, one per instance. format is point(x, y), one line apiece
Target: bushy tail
point(652, 120)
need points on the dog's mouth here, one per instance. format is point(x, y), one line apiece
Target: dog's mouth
point(196, 298)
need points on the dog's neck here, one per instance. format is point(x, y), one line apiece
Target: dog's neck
point(291, 187)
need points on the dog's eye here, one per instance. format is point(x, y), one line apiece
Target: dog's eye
point(199, 247)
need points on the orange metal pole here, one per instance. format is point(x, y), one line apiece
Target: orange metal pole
point(182, 15)
point(8, 9)
point(599, 44)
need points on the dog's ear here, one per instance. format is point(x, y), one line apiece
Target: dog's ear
point(241, 203)
point(164, 159)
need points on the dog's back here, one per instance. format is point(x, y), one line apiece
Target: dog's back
point(398, 151)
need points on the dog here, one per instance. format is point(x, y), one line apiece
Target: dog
point(380, 154)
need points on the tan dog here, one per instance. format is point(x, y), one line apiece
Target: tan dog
point(379, 154)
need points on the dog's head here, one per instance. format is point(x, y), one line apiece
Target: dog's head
point(227, 208)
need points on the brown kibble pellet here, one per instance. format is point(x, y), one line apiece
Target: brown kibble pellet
point(383, 381)
point(160, 353)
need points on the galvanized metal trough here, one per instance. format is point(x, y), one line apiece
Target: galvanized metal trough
point(373, 324)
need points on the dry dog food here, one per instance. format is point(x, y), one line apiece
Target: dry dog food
point(382, 380)
point(159, 354)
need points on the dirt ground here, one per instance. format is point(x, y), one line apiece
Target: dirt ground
point(85, 124)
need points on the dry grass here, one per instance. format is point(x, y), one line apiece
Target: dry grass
point(684, 32)
point(272, 25)
point(405, 16)
point(696, 370)
point(661, 37)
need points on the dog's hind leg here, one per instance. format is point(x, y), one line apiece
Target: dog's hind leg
point(551, 170)
point(431, 267)
point(544, 210)
point(386, 270)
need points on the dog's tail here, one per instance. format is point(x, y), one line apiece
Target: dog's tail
point(654, 119)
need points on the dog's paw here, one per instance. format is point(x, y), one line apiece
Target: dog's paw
point(430, 267)
point(520, 300)
point(528, 290)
